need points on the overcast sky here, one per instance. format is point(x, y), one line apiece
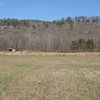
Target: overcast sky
point(48, 9)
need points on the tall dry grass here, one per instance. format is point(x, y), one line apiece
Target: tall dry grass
point(36, 53)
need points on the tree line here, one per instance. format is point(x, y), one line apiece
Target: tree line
point(63, 35)
point(80, 19)
point(13, 22)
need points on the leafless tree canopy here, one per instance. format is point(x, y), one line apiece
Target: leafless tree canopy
point(48, 36)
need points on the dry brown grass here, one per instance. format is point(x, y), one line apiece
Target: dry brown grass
point(35, 53)
point(49, 77)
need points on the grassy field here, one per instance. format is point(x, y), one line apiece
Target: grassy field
point(49, 77)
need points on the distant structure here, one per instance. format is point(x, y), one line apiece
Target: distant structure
point(11, 49)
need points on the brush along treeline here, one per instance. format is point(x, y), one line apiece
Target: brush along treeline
point(82, 45)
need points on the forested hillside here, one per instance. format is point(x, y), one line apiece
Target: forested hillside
point(77, 34)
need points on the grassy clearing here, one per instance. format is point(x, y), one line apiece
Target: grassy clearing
point(49, 77)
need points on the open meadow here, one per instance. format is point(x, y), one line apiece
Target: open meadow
point(53, 77)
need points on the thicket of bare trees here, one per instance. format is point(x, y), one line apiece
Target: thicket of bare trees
point(65, 35)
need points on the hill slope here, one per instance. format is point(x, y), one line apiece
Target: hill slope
point(46, 36)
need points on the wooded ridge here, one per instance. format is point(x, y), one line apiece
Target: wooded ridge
point(64, 35)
